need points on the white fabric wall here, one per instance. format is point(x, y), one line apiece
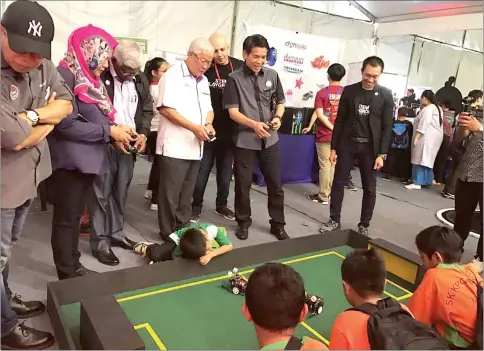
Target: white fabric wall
point(294, 19)
point(470, 72)
point(431, 25)
point(167, 25)
point(432, 64)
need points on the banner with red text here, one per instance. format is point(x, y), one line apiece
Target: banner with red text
point(301, 60)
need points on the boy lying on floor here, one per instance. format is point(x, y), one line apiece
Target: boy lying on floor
point(201, 242)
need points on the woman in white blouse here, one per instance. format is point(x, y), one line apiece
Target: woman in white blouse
point(154, 70)
point(427, 138)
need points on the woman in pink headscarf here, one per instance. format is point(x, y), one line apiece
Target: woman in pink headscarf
point(79, 144)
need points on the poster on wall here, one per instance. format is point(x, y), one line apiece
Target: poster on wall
point(301, 60)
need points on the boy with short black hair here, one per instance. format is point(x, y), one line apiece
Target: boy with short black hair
point(325, 112)
point(275, 304)
point(363, 274)
point(398, 162)
point(446, 297)
point(200, 242)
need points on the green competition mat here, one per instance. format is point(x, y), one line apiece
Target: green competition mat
point(201, 314)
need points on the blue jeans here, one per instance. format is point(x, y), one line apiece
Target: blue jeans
point(12, 222)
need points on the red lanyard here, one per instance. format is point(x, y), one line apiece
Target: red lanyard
point(216, 69)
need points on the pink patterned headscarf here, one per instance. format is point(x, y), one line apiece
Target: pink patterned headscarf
point(87, 48)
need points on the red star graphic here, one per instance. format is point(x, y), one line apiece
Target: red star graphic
point(299, 83)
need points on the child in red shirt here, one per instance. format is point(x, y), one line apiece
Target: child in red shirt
point(447, 296)
point(326, 110)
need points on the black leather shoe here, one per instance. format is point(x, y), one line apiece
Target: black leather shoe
point(126, 244)
point(82, 271)
point(106, 257)
point(242, 233)
point(279, 233)
point(23, 337)
point(26, 309)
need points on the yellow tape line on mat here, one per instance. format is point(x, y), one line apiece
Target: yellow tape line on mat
point(319, 336)
point(200, 282)
point(152, 333)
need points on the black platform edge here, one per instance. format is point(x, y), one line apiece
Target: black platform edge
point(105, 326)
point(62, 333)
point(91, 286)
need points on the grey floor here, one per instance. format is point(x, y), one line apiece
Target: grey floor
point(399, 215)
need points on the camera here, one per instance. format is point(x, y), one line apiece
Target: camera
point(476, 111)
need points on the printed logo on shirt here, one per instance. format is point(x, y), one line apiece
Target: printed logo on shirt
point(13, 92)
point(218, 83)
point(363, 110)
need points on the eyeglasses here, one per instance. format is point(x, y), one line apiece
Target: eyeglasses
point(203, 61)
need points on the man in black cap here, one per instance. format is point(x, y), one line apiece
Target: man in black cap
point(34, 99)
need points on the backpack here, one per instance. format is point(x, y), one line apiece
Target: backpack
point(294, 344)
point(390, 327)
point(401, 139)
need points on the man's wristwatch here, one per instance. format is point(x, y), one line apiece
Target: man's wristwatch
point(383, 156)
point(277, 116)
point(33, 116)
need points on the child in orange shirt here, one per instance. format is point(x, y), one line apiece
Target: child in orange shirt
point(447, 296)
point(363, 273)
point(275, 304)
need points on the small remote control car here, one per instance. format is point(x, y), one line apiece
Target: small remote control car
point(315, 304)
point(237, 283)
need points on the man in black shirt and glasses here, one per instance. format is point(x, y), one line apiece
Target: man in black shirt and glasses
point(363, 129)
point(250, 95)
point(220, 150)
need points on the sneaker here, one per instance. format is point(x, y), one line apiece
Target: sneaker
point(477, 264)
point(362, 230)
point(148, 194)
point(26, 309)
point(226, 213)
point(154, 207)
point(315, 198)
point(23, 337)
point(350, 186)
point(330, 226)
point(448, 195)
point(140, 248)
point(195, 218)
point(413, 187)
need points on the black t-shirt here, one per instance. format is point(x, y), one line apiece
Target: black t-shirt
point(361, 123)
point(222, 123)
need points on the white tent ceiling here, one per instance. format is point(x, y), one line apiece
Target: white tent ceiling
point(390, 11)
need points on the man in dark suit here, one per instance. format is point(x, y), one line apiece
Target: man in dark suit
point(130, 93)
point(362, 130)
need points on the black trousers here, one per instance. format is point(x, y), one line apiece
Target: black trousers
point(363, 152)
point(154, 173)
point(452, 178)
point(160, 253)
point(441, 160)
point(270, 166)
point(69, 191)
point(221, 153)
point(467, 196)
point(398, 163)
point(177, 180)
